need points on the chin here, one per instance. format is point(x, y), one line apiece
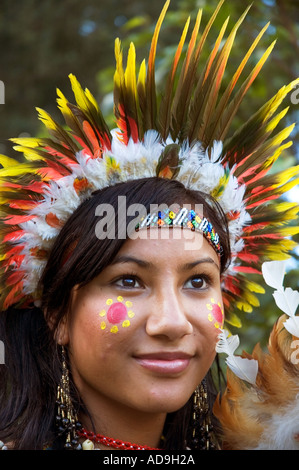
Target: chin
point(165, 403)
point(166, 407)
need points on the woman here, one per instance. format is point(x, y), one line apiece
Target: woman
point(110, 330)
point(128, 377)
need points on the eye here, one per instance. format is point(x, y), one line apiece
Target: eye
point(197, 282)
point(127, 282)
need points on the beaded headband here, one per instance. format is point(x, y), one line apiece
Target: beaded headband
point(183, 218)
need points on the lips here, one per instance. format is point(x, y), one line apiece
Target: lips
point(164, 363)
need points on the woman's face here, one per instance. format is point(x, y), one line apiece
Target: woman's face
point(142, 334)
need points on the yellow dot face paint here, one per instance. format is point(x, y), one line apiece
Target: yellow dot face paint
point(216, 313)
point(116, 315)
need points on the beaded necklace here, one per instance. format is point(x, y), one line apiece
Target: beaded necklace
point(110, 442)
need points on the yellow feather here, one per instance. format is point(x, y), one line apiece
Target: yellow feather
point(254, 287)
point(277, 99)
point(207, 28)
point(283, 135)
point(204, 119)
point(85, 100)
point(289, 210)
point(289, 186)
point(8, 162)
point(29, 153)
point(275, 121)
point(285, 175)
point(141, 87)
point(285, 206)
point(78, 92)
point(276, 154)
point(17, 170)
point(142, 75)
point(150, 79)
point(119, 71)
point(62, 103)
point(166, 102)
point(130, 73)
point(152, 54)
point(280, 250)
point(289, 231)
point(179, 48)
point(27, 141)
point(245, 306)
point(215, 49)
point(247, 56)
point(272, 145)
point(232, 319)
point(91, 98)
point(46, 119)
point(251, 299)
point(231, 109)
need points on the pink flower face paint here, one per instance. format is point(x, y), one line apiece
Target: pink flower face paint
point(216, 313)
point(117, 314)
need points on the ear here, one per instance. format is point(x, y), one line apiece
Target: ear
point(62, 332)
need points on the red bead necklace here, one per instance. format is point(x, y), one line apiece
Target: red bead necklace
point(110, 442)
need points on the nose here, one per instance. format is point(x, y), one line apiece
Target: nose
point(167, 317)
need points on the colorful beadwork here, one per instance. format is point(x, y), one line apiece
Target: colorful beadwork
point(181, 217)
point(116, 314)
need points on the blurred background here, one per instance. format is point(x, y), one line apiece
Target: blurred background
point(42, 41)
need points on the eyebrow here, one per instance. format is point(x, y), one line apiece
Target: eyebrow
point(148, 264)
point(188, 266)
point(131, 259)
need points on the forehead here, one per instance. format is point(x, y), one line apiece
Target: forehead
point(172, 246)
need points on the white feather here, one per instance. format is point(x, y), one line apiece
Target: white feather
point(273, 273)
point(286, 299)
point(292, 325)
point(281, 429)
point(151, 139)
point(216, 151)
point(245, 369)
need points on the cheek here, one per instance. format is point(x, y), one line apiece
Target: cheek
point(215, 313)
point(100, 323)
point(100, 337)
point(116, 315)
point(208, 324)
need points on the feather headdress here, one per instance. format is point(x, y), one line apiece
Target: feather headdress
point(195, 112)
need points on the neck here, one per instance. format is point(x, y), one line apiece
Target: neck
point(120, 422)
